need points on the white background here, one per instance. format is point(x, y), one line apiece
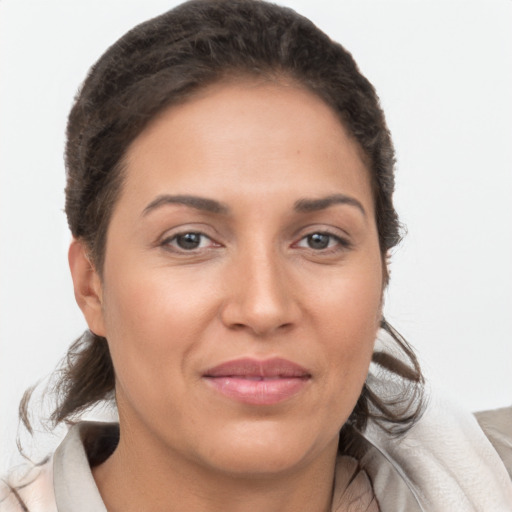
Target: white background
point(443, 72)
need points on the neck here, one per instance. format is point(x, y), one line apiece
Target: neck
point(142, 476)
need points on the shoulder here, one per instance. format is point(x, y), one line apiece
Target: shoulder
point(65, 478)
point(447, 461)
point(497, 426)
point(29, 491)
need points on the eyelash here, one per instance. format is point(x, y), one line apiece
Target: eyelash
point(341, 244)
point(167, 242)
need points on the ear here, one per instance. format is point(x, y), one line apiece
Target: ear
point(87, 286)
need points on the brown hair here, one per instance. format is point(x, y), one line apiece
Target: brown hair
point(166, 60)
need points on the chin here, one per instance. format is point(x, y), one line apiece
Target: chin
point(266, 450)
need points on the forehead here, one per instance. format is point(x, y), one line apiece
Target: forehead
point(247, 136)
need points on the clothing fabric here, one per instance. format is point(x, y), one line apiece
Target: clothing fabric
point(446, 462)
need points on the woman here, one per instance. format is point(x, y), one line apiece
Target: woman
point(230, 180)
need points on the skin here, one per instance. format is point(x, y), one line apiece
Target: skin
point(255, 287)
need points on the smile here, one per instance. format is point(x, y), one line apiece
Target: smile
point(255, 382)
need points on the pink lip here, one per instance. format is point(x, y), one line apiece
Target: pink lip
point(257, 382)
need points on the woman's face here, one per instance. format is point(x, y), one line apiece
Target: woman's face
point(242, 282)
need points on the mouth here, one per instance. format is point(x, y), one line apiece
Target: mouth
point(258, 382)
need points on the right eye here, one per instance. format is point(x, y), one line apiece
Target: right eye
point(189, 241)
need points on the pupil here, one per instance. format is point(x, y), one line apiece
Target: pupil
point(189, 240)
point(318, 241)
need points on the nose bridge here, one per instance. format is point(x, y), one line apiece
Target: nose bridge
point(261, 298)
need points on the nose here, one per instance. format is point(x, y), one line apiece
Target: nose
point(261, 296)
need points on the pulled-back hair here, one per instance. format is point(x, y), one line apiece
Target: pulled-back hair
point(165, 61)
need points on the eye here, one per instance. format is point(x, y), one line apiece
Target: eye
point(189, 241)
point(321, 241)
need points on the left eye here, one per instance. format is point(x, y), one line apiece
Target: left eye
point(189, 241)
point(319, 241)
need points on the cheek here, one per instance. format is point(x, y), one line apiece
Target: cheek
point(152, 303)
point(351, 312)
point(152, 324)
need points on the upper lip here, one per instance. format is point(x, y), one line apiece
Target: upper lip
point(275, 367)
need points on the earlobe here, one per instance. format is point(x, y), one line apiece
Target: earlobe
point(87, 286)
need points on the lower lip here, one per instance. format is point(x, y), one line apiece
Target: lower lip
point(258, 392)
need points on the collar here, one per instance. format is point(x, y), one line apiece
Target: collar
point(76, 491)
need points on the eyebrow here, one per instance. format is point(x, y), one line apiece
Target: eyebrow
point(199, 203)
point(205, 204)
point(312, 205)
